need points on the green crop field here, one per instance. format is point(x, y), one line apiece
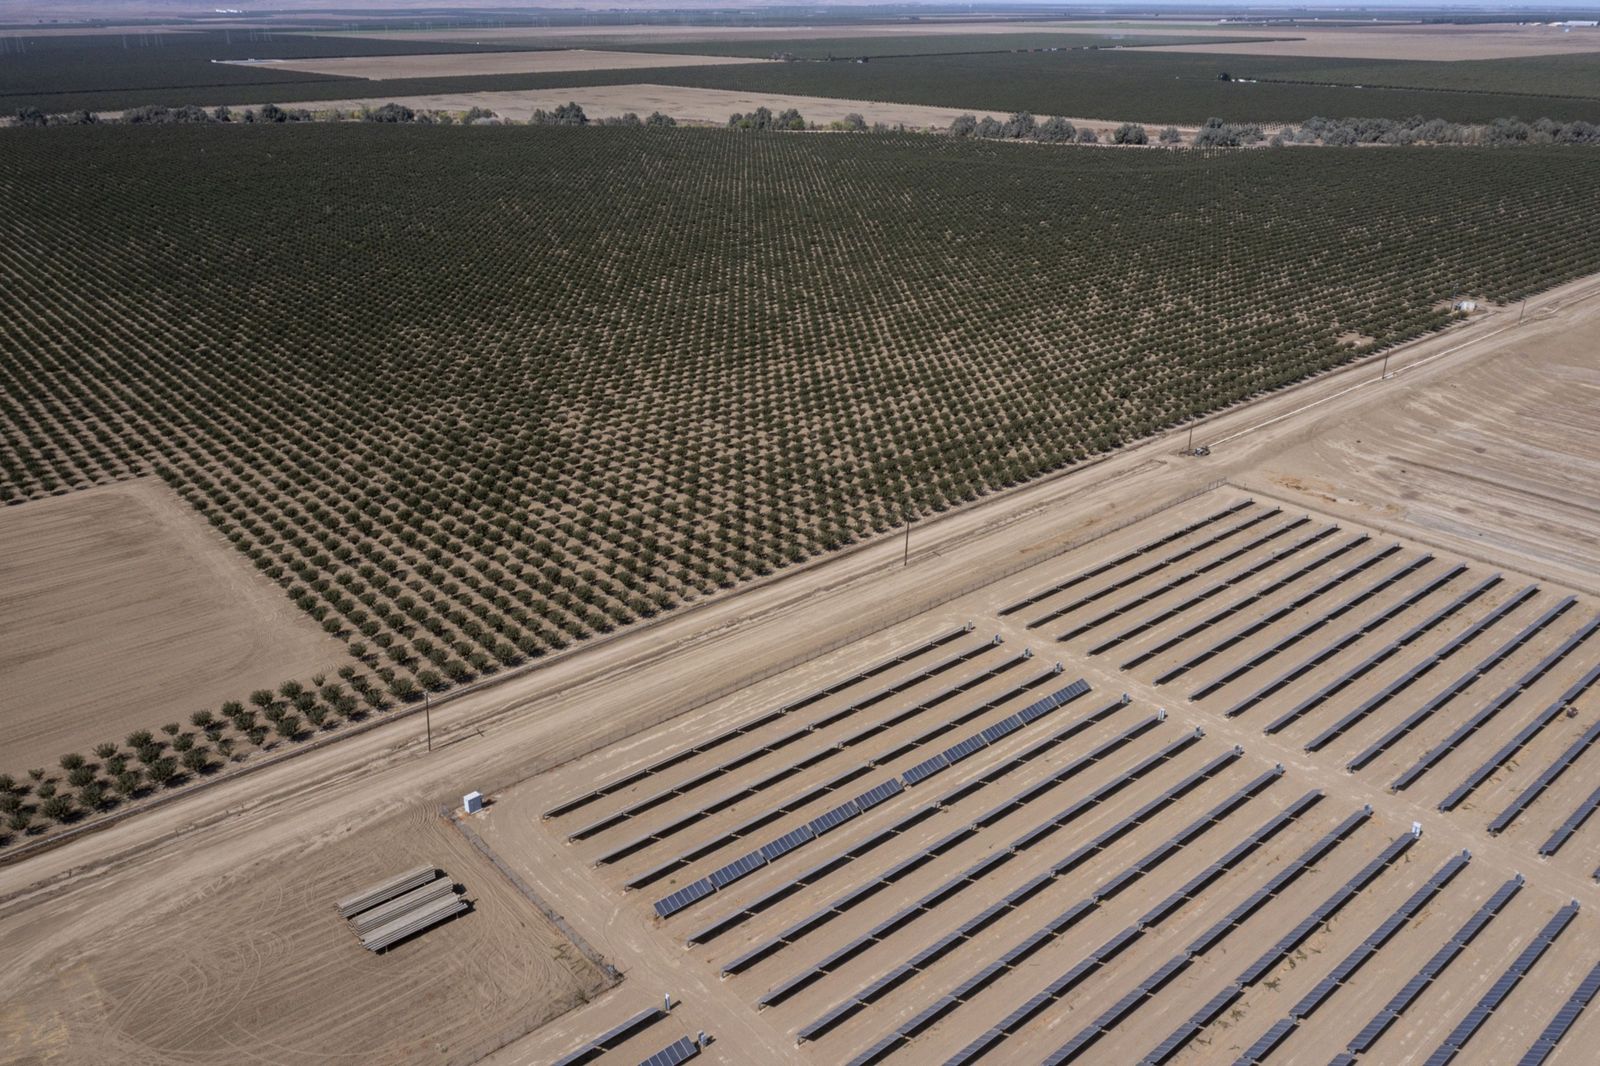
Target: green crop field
point(471, 395)
point(60, 73)
point(1119, 84)
point(822, 48)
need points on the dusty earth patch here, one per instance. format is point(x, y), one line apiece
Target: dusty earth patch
point(120, 610)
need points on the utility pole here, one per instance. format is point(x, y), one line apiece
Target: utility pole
point(1523, 311)
point(427, 716)
point(1190, 449)
point(907, 560)
point(1385, 373)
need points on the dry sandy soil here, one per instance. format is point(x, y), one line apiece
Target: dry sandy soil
point(257, 966)
point(625, 703)
point(463, 64)
point(1416, 42)
point(689, 105)
point(120, 609)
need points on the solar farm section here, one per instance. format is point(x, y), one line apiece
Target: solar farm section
point(1239, 784)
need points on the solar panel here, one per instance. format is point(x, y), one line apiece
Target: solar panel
point(1002, 728)
point(926, 769)
point(878, 794)
point(666, 908)
point(831, 819)
point(786, 843)
point(968, 747)
point(682, 1050)
point(736, 869)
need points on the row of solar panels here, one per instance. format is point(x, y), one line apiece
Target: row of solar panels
point(1013, 1022)
point(1382, 655)
point(1155, 568)
point(1564, 1019)
point(830, 820)
point(1126, 557)
point(1436, 965)
point(904, 869)
point(883, 985)
point(608, 1040)
point(778, 743)
point(1183, 579)
point(1220, 931)
point(1213, 590)
point(1350, 638)
point(1563, 762)
point(990, 776)
point(1272, 618)
point(740, 730)
point(1492, 999)
point(1257, 1053)
point(774, 811)
point(1417, 672)
point(1494, 707)
point(959, 884)
point(1274, 956)
point(1232, 609)
point(1460, 684)
point(680, 1050)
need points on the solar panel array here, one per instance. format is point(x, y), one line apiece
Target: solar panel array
point(1154, 568)
point(774, 811)
point(1581, 997)
point(1213, 937)
point(903, 938)
point(727, 735)
point(681, 1050)
point(1350, 638)
point(1416, 673)
point(1382, 655)
point(830, 820)
point(970, 877)
point(783, 740)
point(1433, 968)
point(1328, 618)
point(990, 776)
point(1217, 588)
point(1461, 684)
point(1346, 969)
point(862, 892)
point(1184, 578)
point(597, 1047)
point(1494, 707)
point(1272, 618)
point(1492, 999)
point(1126, 557)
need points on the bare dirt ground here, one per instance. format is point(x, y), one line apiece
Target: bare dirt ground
point(588, 718)
point(1440, 43)
point(463, 64)
point(120, 609)
point(1500, 461)
point(258, 964)
point(687, 105)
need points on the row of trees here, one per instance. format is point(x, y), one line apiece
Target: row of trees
point(146, 762)
point(762, 118)
point(1023, 126)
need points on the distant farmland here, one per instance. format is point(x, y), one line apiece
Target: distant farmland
point(470, 395)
